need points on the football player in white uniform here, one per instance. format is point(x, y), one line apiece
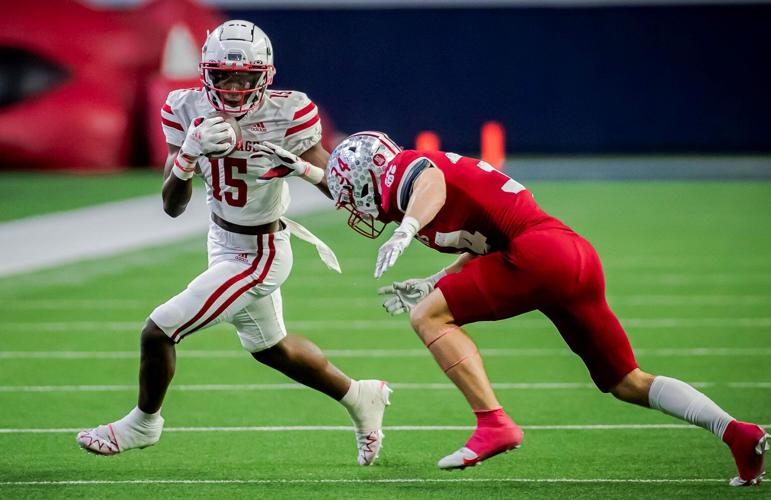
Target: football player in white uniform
point(248, 243)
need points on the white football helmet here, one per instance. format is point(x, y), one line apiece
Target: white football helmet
point(236, 66)
point(353, 176)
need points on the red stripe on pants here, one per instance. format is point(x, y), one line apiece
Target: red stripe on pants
point(222, 289)
point(240, 291)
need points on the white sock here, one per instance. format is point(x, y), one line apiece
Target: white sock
point(678, 399)
point(355, 401)
point(352, 396)
point(142, 422)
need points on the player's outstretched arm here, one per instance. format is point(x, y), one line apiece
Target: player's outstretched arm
point(318, 156)
point(429, 192)
point(402, 296)
point(461, 261)
point(176, 191)
point(306, 166)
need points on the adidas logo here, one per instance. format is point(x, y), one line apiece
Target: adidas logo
point(258, 127)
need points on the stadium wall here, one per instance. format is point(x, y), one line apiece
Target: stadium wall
point(619, 79)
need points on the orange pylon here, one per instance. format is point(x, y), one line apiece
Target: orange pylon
point(493, 139)
point(427, 141)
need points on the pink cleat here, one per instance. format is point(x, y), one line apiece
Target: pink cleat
point(749, 444)
point(496, 433)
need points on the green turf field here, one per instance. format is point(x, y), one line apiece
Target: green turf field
point(27, 194)
point(689, 272)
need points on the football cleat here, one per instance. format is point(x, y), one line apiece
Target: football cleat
point(367, 417)
point(100, 440)
point(118, 437)
point(749, 444)
point(486, 442)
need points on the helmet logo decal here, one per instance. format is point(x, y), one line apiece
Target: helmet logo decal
point(389, 179)
point(378, 159)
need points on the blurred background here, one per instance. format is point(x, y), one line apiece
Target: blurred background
point(80, 88)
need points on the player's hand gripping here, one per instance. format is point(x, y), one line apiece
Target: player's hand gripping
point(396, 245)
point(403, 296)
point(289, 164)
point(204, 137)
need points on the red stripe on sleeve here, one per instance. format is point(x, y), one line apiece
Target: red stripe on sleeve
point(304, 111)
point(167, 109)
point(172, 124)
point(302, 126)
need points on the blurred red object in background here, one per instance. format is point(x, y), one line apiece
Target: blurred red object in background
point(74, 82)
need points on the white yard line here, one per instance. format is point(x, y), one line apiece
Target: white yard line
point(438, 386)
point(392, 353)
point(53, 239)
point(384, 324)
point(117, 304)
point(364, 482)
point(345, 428)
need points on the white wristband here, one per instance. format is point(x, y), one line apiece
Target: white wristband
point(434, 278)
point(409, 226)
point(312, 174)
point(183, 169)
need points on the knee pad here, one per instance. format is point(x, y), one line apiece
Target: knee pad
point(168, 317)
point(451, 347)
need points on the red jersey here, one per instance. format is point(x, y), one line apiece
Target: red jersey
point(484, 210)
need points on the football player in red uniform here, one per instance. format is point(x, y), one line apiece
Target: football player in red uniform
point(514, 258)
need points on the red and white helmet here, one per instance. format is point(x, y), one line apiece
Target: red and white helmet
point(236, 66)
point(353, 176)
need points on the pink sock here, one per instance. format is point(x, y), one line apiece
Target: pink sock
point(495, 430)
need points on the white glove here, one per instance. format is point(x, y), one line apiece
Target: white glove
point(402, 296)
point(205, 136)
point(396, 244)
point(290, 164)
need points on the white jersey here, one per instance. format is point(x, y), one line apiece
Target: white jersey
point(233, 191)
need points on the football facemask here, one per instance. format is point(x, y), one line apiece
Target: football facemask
point(363, 223)
point(235, 90)
point(353, 175)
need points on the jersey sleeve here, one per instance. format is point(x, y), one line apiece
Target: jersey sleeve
point(397, 181)
point(396, 184)
point(171, 119)
point(304, 128)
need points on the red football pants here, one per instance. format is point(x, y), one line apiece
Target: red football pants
point(558, 272)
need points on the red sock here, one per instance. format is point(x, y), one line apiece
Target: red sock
point(495, 432)
point(729, 436)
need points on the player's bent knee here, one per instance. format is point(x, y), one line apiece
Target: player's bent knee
point(424, 319)
point(634, 387)
point(152, 333)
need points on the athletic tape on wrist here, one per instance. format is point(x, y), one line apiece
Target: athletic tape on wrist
point(434, 278)
point(183, 168)
point(313, 174)
point(409, 225)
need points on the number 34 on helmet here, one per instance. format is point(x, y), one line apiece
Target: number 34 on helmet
point(353, 176)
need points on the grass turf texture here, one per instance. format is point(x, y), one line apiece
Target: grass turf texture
point(692, 254)
point(27, 194)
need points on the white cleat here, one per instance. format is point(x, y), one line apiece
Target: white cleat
point(737, 481)
point(460, 459)
point(367, 417)
point(100, 440)
point(118, 437)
